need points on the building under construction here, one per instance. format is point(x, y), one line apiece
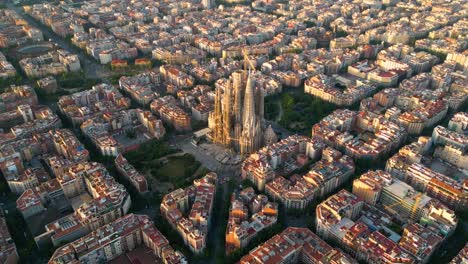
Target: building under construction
point(237, 121)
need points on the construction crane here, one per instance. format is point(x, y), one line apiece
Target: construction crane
point(247, 60)
point(414, 209)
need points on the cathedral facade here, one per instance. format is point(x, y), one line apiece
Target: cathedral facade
point(238, 118)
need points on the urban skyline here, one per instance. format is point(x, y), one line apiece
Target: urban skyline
point(233, 131)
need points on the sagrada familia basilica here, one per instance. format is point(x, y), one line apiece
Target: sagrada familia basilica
point(237, 121)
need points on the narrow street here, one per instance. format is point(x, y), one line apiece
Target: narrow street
point(280, 112)
point(225, 173)
point(220, 207)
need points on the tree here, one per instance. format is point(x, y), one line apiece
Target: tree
point(310, 24)
point(287, 101)
point(340, 33)
point(130, 133)
point(17, 79)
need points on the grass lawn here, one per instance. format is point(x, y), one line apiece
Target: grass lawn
point(153, 160)
point(178, 170)
point(301, 111)
point(175, 168)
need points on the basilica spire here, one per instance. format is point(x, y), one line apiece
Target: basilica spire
point(249, 104)
point(237, 85)
point(217, 117)
point(227, 115)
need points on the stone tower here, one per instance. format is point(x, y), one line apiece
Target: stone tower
point(248, 141)
point(217, 118)
point(227, 115)
point(270, 136)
